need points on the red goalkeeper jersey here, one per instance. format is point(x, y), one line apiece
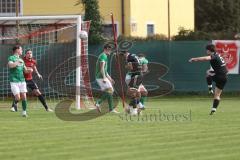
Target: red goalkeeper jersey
point(29, 63)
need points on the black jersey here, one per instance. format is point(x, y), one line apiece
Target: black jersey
point(133, 59)
point(218, 64)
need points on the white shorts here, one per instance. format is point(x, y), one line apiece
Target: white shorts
point(18, 87)
point(127, 79)
point(104, 86)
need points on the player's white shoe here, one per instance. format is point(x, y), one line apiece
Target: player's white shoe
point(210, 91)
point(24, 113)
point(114, 111)
point(49, 110)
point(98, 107)
point(12, 109)
point(134, 112)
point(141, 106)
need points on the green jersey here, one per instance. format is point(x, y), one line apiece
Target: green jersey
point(101, 58)
point(143, 61)
point(16, 74)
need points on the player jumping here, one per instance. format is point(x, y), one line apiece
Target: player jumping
point(209, 76)
point(220, 78)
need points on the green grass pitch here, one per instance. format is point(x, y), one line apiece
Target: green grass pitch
point(197, 136)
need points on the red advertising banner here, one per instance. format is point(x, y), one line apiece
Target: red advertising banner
point(229, 50)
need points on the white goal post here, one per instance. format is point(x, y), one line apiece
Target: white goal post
point(57, 19)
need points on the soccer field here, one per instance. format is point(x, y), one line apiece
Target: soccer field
point(186, 132)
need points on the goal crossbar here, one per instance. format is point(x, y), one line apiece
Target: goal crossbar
point(76, 19)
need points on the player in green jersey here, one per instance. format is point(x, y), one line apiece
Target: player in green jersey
point(17, 81)
point(104, 80)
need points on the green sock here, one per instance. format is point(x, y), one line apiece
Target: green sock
point(102, 98)
point(143, 99)
point(110, 102)
point(24, 105)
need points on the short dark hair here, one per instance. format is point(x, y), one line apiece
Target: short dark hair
point(107, 46)
point(28, 50)
point(141, 55)
point(123, 52)
point(211, 48)
point(16, 47)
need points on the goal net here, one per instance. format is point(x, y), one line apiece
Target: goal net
point(61, 55)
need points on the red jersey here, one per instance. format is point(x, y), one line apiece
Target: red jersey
point(29, 63)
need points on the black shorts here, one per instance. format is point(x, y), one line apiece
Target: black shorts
point(31, 84)
point(136, 81)
point(220, 80)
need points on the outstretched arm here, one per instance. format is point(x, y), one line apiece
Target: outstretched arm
point(200, 59)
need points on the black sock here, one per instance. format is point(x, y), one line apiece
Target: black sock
point(14, 104)
point(42, 100)
point(134, 103)
point(215, 103)
point(209, 80)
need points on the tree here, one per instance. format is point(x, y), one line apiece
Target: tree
point(217, 15)
point(92, 14)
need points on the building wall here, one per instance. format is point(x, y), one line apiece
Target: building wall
point(156, 12)
point(138, 13)
point(106, 7)
point(51, 7)
point(149, 12)
point(182, 15)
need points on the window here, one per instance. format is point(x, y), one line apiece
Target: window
point(108, 31)
point(134, 27)
point(8, 7)
point(150, 29)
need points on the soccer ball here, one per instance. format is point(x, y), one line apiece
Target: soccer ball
point(83, 35)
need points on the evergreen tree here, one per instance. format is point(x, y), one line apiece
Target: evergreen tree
point(92, 14)
point(217, 15)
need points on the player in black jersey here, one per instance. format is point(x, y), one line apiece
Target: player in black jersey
point(133, 79)
point(220, 72)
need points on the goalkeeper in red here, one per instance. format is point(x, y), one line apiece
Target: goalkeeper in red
point(31, 63)
point(104, 80)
